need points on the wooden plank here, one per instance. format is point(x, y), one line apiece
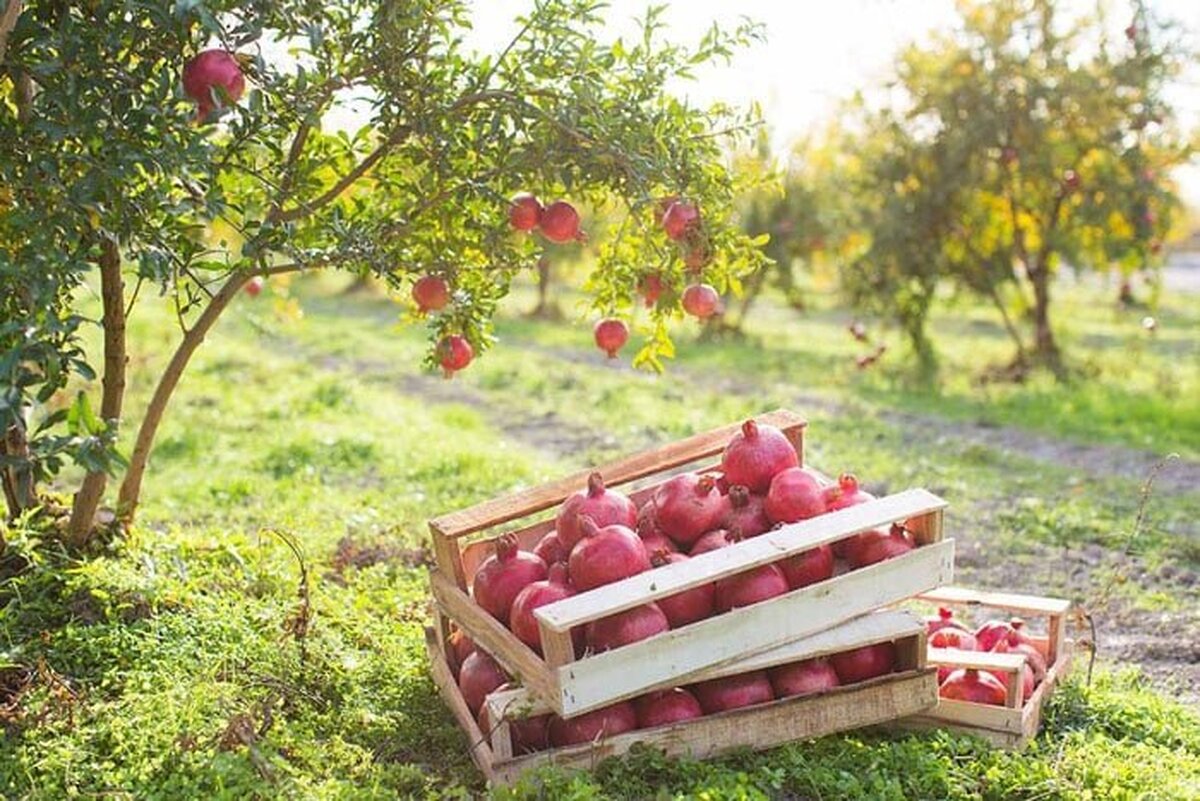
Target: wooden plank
point(1013, 602)
point(980, 660)
point(491, 635)
point(984, 716)
point(663, 660)
point(439, 670)
point(536, 499)
point(882, 626)
point(770, 547)
point(447, 555)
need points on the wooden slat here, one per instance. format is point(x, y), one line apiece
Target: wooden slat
point(491, 635)
point(984, 716)
point(770, 547)
point(882, 626)
point(439, 670)
point(537, 499)
point(447, 555)
point(1021, 604)
point(980, 660)
point(660, 661)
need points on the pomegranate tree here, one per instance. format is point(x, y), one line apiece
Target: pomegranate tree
point(687, 606)
point(687, 506)
point(733, 692)
point(794, 494)
point(803, 678)
point(604, 506)
point(592, 727)
point(611, 334)
point(605, 555)
point(665, 707)
point(503, 575)
point(650, 288)
point(757, 454)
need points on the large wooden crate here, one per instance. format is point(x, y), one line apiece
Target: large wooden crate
point(1013, 725)
point(913, 687)
point(573, 686)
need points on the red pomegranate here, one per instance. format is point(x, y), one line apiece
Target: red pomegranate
point(745, 513)
point(794, 495)
point(605, 555)
point(611, 335)
point(1028, 678)
point(650, 287)
point(665, 707)
point(1022, 631)
point(876, 546)
point(951, 637)
point(993, 631)
point(679, 218)
point(454, 353)
point(458, 647)
point(1012, 643)
point(845, 493)
point(254, 286)
point(757, 454)
point(712, 540)
point(212, 78)
point(606, 507)
point(653, 538)
point(749, 588)
point(864, 663)
point(808, 567)
point(687, 606)
point(560, 222)
point(504, 574)
point(479, 677)
point(593, 726)
point(688, 505)
point(553, 588)
point(733, 692)
point(524, 212)
point(803, 678)
point(550, 549)
point(972, 685)
point(632, 625)
point(701, 301)
point(943, 619)
point(431, 293)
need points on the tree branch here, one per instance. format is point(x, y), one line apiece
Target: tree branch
point(8, 21)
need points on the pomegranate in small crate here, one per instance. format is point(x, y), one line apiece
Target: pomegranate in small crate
point(803, 678)
point(977, 686)
point(632, 625)
point(794, 495)
point(756, 454)
point(808, 567)
point(553, 588)
point(605, 555)
point(733, 692)
point(665, 707)
point(479, 677)
point(746, 513)
point(687, 606)
point(592, 726)
point(687, 506)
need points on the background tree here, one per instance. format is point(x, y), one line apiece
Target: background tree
point(113, 175)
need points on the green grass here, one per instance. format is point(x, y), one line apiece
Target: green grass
point(187, 680)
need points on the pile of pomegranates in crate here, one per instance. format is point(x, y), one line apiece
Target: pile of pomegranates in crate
point(479, 675)
point(997, 636)
point(601, 536)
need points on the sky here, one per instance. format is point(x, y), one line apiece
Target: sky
point(819, 52)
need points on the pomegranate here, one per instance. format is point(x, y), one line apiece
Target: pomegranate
point(530, 734)
point(803, 678)
point(550, 549)
point(592, 726)
point(794, 495)
point(431, 293)
point(254, 286)
point(969, 684)
point(757, 454)
point(454, 353)
point(993, 631)
point(943, 619)
point(480, 677)
point(679, 218)
point(553, 588)
point(1012, 643)
point(458, 647)
point(504, 574)
point(211, 70)
point(701, 301)
point(844, 493)
point(711, 541)
point(864, 663)
point(653, 538)
point(745, 513)
point(632, 625)
point(808, 567)
point(749, 588)
point(560, 222)
point(687, 606)
point(733, 692)
point(875, 546)
point(524, 212)
point(605, 555)
point(606, 508)
point(688, 505)
point(650, 287)
point(611, 335)
point(1023, 633)
point(951, 637)
point(1028, 677)
point(665, 707)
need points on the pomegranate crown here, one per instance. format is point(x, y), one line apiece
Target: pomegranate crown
point(705, 485)
point(557, 574)
point(944, 613)
point(1017, 623)
point(660, 557)
point(739, 496)
point(734, 534)
point(750, 429)
point(848, 482)
point(506, 547)
point(595, 485)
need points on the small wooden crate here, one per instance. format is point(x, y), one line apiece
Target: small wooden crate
point(1013, 725)
point(574, 686)
point(911, 689)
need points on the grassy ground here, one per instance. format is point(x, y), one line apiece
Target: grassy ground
point(184, 662)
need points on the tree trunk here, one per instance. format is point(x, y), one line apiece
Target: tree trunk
point(546, 309)
point(1009, 325)
point(131, 487)
point(112, 293)
point(1045, 346)
point(754, 288)
point(20, 489)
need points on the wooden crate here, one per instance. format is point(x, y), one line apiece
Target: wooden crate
point(573, 686)
point(1013, 725)
point(912, 688)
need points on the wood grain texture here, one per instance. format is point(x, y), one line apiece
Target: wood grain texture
point(1012, 602)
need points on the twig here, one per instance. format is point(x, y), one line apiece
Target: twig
point(299, 623)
